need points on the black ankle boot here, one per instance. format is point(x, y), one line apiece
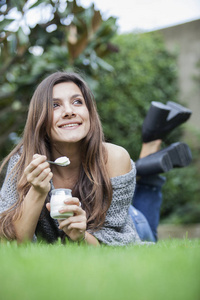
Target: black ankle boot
point(153, 164)
point(177, 155)
point(161, 119)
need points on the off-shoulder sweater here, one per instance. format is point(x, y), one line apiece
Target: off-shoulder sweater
point(118, 228)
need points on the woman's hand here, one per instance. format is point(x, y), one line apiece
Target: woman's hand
point(39, 174)
point(74, 226)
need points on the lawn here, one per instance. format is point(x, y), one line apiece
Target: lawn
point(169, 269)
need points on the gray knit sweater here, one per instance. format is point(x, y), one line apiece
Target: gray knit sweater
point(118, 229)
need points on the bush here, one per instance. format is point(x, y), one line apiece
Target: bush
point(181, 202)
point(143, 72)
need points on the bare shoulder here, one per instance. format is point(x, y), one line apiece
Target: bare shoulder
point(118, 162)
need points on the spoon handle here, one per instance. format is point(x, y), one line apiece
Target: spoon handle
point(57, 164)
point(52, 162)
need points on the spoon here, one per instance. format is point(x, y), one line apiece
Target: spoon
point(62, 161)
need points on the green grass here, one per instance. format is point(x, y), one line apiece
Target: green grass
point(168, 270)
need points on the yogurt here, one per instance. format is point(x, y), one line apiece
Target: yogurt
point(62, 161)
point(58, 196)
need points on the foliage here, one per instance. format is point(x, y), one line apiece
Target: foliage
point(144, 71)
point(65, 37)
point(181, 202)
point(40, 271)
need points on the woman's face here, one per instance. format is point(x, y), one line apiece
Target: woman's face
point(71, 121)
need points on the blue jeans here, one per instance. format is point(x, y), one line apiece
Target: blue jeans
point(145, 211)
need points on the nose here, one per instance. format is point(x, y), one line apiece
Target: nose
point(68, 112)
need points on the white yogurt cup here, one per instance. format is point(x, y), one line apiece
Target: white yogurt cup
point(58, 196)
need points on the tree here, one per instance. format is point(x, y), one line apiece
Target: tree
point(65, 37)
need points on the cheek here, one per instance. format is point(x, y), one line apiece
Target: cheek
point(55, 119)
point(55, 116)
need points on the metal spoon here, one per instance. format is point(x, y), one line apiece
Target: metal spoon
point(60, 161)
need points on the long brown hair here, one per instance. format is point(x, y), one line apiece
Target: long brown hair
point(93, 186)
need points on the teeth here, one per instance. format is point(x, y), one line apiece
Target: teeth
point(70, 125)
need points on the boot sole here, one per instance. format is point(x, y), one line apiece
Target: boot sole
point(179, 153)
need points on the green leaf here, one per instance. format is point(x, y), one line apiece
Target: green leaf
point(23, 38)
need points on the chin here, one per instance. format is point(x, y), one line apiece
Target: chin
point(69, 141)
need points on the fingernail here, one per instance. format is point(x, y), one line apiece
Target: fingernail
point(61, 210)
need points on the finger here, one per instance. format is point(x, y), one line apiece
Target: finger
point(67, 223)
point(48, 178)
point(43, 175)
point(37, 159)
point(40, 168)
point(43, 184)
point(48, 206)
point(78, 226)
point(73, 219)
point(72, 200)
point(39, 173)
point(36, 155)
point(77, 210)
point(74, 225)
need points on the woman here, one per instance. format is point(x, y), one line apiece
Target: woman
point(63, 121)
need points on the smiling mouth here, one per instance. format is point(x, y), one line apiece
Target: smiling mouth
point(70, 125)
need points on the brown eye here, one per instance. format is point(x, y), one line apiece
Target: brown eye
point(78, 102)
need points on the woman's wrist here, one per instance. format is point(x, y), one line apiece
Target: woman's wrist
point(86, 238)
point(38, 194)
point(83, 238)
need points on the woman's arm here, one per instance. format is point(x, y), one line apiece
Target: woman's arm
point(91, 240)
point(39, 175)
point(29, 215)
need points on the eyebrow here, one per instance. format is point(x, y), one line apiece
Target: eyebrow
point(73, 96)
point(77, 95)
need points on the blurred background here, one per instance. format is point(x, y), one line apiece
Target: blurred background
point(130, 53)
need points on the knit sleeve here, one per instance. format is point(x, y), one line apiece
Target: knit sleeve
point(119, 229)
point(8, 193)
